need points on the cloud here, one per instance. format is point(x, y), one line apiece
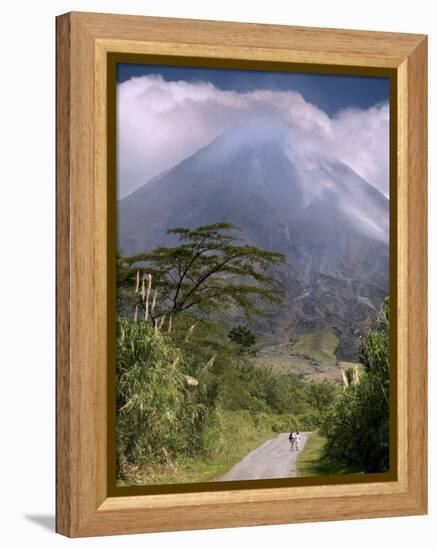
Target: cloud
point(362, 138)
point(160, 123)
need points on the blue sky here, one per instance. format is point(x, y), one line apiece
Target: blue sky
point(330, 93)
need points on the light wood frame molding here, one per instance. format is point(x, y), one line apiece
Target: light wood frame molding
point(83, 505)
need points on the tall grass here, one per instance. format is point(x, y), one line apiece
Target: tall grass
point(160, 416)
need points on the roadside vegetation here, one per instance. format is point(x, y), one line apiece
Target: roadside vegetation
point(314, 460)
point(357, 426)
point(191, 396)
point(354, 435)
point(190, 400)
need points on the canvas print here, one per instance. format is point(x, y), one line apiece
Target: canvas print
point(252, 330)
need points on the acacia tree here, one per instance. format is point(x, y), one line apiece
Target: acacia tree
point(210, 269)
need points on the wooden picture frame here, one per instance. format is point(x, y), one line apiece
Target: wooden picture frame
point(85, 41)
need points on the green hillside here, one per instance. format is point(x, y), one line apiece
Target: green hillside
point(319, 345)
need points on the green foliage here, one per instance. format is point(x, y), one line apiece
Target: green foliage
point(349, 376)
point(300, 404)
point(159, 417)
point(238, 433)
point(319, 345)
point(315, 461)
point(357, 428)
point(162, 422)
point(375, 351)
point(243, 338)
point(210, 270)
point(165, 424)
point(321, 396)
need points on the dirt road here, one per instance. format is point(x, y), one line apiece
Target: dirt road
point(273, 459)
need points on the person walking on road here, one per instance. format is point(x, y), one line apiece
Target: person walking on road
point(297, 441)
point(292, 436)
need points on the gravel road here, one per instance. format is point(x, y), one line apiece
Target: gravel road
point(273, 459)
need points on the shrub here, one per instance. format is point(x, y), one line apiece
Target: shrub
point(357, 427)
point(159, 416)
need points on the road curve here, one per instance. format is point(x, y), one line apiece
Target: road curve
point(273, 459)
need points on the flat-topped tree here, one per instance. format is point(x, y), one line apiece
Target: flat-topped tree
point(210, 269)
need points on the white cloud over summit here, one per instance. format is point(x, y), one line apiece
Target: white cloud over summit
point(160, 123)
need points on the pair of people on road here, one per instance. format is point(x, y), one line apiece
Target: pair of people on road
point(295, 440)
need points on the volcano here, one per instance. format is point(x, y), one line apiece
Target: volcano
point(330, 223)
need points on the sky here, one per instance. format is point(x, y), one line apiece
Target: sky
point(165, 114)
